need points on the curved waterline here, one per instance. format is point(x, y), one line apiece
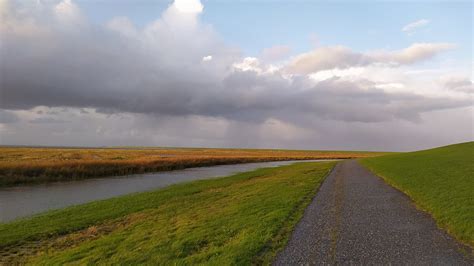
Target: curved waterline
point(22, 201)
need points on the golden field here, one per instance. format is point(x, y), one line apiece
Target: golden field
point(20, 165)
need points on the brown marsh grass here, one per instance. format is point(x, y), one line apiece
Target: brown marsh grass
point(22, 165)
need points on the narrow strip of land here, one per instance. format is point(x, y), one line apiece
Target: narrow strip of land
point(23, 201)
point(357, 218)
point(241, 219)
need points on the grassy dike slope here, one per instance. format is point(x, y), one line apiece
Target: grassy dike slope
point(440, 181)
point(242, 218)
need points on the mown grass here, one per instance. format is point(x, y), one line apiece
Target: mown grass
point(240, 219)
point(22, 165)
point(440, 181)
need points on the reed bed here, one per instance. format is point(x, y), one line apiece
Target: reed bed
point(21, 165)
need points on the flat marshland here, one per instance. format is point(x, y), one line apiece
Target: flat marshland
point(21, 165)
point(241, 219)
point(440, 181)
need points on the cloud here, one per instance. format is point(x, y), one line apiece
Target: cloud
point(414, 53)
point(122, 25)
point(46, 120)
point(410, 28)
point(102, 66)
point(249, 64)
point(7, 117)
point(341, 57)
point(198, 131)
point(131, 84)
point(327, 58)
point(157, 71)
point(68, 12)
point(275, 53)
point(458, 83)
point(188, 6)
point(207, 58)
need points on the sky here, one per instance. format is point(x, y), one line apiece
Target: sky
point(345, 75)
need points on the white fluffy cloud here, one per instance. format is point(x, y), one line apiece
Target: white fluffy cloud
point(415, 53)
point(188, 6)
point(341, 57)
point(207, 58)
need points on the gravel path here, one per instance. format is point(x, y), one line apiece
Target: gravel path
point(356, 218)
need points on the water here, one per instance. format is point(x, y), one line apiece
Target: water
point(16, 202)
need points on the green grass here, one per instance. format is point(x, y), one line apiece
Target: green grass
point(240, 219)
point(440, 181)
